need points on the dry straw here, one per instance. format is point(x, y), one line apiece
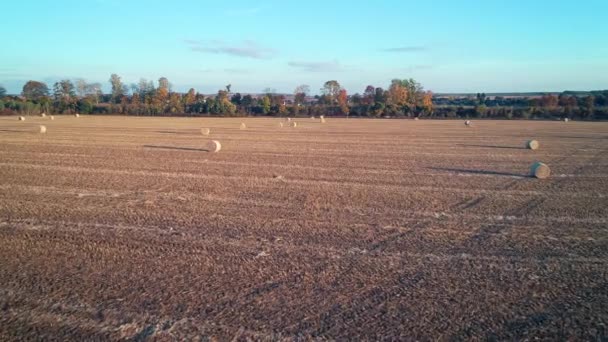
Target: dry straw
point(243, 126)
point(77, 115)
point(540, 170)
point(214, 146)
point(42, 129)
point(22, 118)
point(532, 145)
point(205, 131)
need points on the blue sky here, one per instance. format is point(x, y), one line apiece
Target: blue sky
point(447, 45)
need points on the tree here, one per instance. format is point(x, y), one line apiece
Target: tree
point(343, 102)
point(427, 102)
point(64, 90)
point(300, 94)
point(368, 95)
point(228, 87)
point(331, 89)
point(118, 89)
point(266, 104)
point(397, 94)
point(163, 84)
point(34, 90)
point(2, 93)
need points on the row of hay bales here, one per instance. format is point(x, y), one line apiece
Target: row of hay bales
point(538, 169)
point(43, 115)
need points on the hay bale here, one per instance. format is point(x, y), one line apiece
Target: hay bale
point(42, 115)
point(243, 126)
point(566, 119)
point(532, 145)
point(540, 170)
point(468, 123)
point(22, 118)
point(312, 118)
point(214, 146)
point(416, 119)
point(281, 124)
point(322, 120)
point(288, 119)
point(51, 117)
point(42, 129)
point(77, 115)
point(294, 124)
point(205, 131)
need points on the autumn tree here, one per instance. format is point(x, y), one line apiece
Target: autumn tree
point(427, 102)
point(34, 90)
point(343, 102)
point(397, 94)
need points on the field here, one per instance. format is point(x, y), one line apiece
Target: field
point(126, 228)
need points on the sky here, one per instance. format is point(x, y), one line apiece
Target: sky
point(464, 46)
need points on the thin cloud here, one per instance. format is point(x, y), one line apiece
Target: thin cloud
point(247, 49)
point(326, 66)
point(406, 49)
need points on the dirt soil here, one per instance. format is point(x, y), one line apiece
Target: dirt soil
point(124, 228)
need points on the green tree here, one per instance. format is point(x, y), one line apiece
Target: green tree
point(266, 104)
point(2, 92)
point(331, 89)
point(34, 90)
point(118, 88)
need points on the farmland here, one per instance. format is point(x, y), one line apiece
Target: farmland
point(126, 228)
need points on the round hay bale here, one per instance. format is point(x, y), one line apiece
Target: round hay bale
point(288, 119)
point(22, 118)
point(42, 115)
point(243, 126)
point(205, 131)
point(566, 119)
point(312, 117)
point(214, 146)
point(42, 129)
point(540, 170)
point(532, 145)
point(51, 117)
point(416, 119)
point(294, 124)
point(468, 123)
point(322, 116)
point(322, 120)
point(77, 115)
point(280, 124)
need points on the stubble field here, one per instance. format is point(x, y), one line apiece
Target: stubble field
point(122, 228)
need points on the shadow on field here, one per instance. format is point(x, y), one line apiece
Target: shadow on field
point(177, 148)
point(11, 130)
point(174, 132)
point(478, 172)
point(493, 146)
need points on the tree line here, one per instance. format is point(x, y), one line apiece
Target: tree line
point(402, 98)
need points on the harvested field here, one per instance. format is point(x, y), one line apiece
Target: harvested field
point(127, 228)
